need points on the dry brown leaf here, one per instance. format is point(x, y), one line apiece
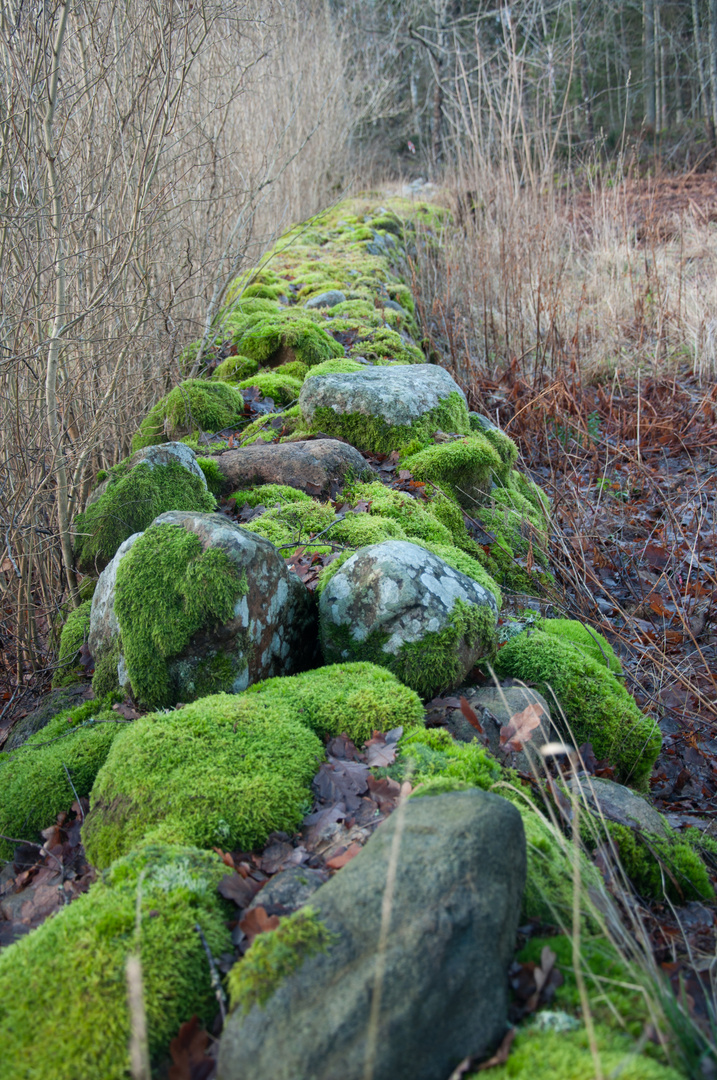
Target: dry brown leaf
point(346, 856)
point(471, 715)
point(518, 730)
point(257, 921)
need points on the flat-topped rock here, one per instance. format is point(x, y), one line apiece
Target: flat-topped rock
point(398, 394)
point(310, 465)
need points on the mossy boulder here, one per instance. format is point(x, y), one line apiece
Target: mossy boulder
point(63, 991)
point(51, 705)
point(595, 705)
point(74, 635)
point(285, 337)
point(380, 409)
point(225, 770)
point(197, 605)
point(39, 778)
point(352, 699)
point(465, 468)
point(459, 869)
point(400, 606)
point(235, 368)
point(136, 491)
point(195, 405)
point(281, 388)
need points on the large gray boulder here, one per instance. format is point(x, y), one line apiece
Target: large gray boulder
point(272, 630)
point(459, 877)
point(312, 465)
point(401, 396)
point(401, 606)
point(155, 457)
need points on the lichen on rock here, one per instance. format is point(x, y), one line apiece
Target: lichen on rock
point(398, 605)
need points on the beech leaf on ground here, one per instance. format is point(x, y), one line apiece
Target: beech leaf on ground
point(520, 726)
point(188, 1053)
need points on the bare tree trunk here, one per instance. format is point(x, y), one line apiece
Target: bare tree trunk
point(713, 60)
point(704, 109)
point(584, 82)
point(58, 324)
point(648, 19)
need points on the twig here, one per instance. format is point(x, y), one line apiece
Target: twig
point(74, 792)
point(32, 843)
point(216, 980)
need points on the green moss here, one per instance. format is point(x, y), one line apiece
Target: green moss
point(548, 894)
point(428, 666)
point(433, 759)
point(270, 495)
point(661, 866)
point(212, 474)
point(275, 955)
point(74, 635)
point(106, 677)
point(226, 770)
point(34, 785)
point(194, 405)
point(336, 367)
point(415, 516)
point(597, 707)
point(282, 388)
point(464, 468)
point(131, 501)
point(566, 1055)
point(383, 344)
point(352, 699)
point(588, 641)
point(292, 524)
point(63, 992)
point(167, 589)
point(372, 433)
point(284, 333)
point(295, 368)
point(235, 368)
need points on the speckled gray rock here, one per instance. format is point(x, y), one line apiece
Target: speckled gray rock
point(399, 394)
point(104, 628)
point(155, 456)
point(444, 991)
point(395, 603)
point(312, 465)
point(273, 629)
point(617, 803)
point(326, 299)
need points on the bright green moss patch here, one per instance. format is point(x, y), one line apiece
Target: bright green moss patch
point(352, 699)
point(295, 368)
point(167, 589)
point(194, 405)
point(374, 434)
point(432, 755)
point(588, 641)
point(336, 367)
point(661, 866)
point(383, 345)
point(413, 515)
point(282, 388)
point(63, 993)
point(428, 666)
point(227, 770)
point(74, 635)
point(597, 707)
point(270, 495)
point(212, 474)
point(275, 955)
point(132, 499)
point(275, 337)
point(464, 468)
point(235, 368)
point(34, 786)
point(566, 1055)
